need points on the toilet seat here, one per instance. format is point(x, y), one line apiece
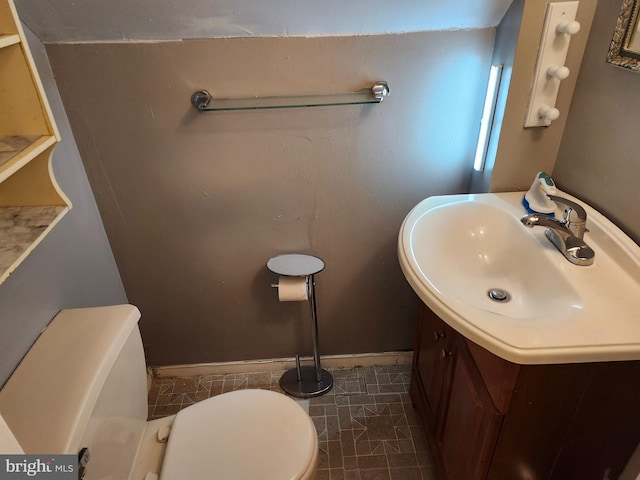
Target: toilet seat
point(246, 434)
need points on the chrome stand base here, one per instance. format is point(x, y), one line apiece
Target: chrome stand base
point(306, 385)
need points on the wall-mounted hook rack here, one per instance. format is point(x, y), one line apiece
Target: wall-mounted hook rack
point(560, 25)
point(204, 102)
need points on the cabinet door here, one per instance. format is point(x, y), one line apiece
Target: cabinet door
point(430, 364)
point(470, 422)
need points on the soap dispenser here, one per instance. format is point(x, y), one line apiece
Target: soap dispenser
point(536, 199)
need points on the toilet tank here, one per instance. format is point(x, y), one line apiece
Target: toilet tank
point(82, 384)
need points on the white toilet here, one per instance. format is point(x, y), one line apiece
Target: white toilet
point(83, 384)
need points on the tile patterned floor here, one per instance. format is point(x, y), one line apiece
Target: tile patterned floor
point(367, 427)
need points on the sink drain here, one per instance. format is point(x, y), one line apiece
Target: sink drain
point(499, 295)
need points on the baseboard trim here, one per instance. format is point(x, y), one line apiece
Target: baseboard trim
point(275, 364)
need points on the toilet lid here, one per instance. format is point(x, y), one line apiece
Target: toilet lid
point(246, 434)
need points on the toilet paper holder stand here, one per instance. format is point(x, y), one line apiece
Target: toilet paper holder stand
point(304, 381)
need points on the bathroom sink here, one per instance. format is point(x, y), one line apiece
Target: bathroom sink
point(467, 249)
point(507, 288)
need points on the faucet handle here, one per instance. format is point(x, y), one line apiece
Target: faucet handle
point(573, 213)
point(575, 216)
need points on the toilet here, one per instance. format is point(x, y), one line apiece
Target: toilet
point(83, 384)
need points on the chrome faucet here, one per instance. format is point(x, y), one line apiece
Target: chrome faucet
point(574, 217)
point(566, 234)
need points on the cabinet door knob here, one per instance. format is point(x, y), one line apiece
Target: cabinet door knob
point(437, 336)
point(445, 354)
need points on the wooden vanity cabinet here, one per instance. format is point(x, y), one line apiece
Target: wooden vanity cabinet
point(487, 418)
point(462, 422)
point(430, 365)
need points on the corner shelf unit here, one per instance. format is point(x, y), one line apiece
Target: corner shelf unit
point(31, 202)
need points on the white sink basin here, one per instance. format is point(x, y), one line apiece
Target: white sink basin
point(455, 249)
point(465, 249)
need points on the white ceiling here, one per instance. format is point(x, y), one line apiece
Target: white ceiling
point(55, 21)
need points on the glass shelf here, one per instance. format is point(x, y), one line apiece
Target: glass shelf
point(204, 102)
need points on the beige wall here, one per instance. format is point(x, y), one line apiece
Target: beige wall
point(195, 204)
point(598, 159)
point(521, 152)
point(504, 51)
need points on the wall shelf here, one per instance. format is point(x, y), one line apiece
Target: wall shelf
point(20, 231)
point(204, 102)
point(18, 150)
point(6, 40)
point(31, 202)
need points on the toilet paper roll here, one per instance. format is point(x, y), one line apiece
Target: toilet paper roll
point(292, 289)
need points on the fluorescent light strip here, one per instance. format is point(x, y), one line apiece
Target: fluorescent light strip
point(487, 117)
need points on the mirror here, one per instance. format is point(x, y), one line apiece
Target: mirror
point(625, 45)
